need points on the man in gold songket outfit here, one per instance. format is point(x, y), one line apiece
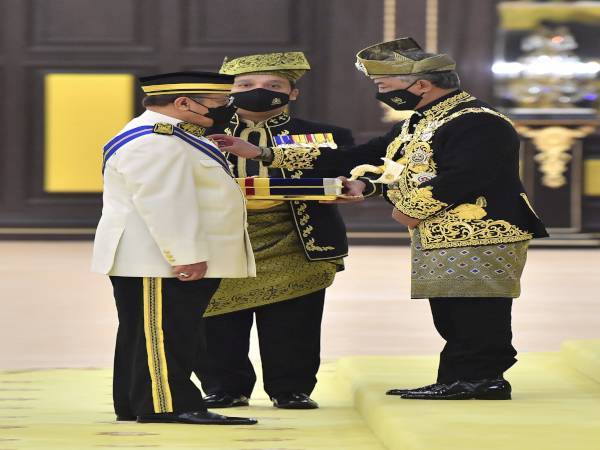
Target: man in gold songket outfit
point(451, 171)
point(299, 247)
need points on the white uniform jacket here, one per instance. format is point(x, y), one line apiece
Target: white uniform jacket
point(167, 202)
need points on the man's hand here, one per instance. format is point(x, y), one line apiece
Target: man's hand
point(236, 146)
point(402, 218)
point(352, 189)
point(190, 272)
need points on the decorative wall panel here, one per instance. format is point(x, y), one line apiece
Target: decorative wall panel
point(82, 112)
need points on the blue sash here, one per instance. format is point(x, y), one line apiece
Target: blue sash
point(209, 150)
point(120, 140)
point(127, 136)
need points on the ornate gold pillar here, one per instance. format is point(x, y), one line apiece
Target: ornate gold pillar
point(389, 33)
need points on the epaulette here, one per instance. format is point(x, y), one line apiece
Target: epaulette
point(163, 128)
point(192, 128)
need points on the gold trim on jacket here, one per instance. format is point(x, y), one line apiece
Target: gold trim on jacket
point(299, 213)
point(442, 225)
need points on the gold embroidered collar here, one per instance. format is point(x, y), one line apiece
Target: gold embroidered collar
point(443, 103)
point(275, 121)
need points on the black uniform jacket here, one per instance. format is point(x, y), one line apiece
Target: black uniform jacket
point(454, 164)
point(319, 226)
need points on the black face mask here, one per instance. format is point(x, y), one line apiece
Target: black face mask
point(260, 100)
point(400, 99)
point(220, 115)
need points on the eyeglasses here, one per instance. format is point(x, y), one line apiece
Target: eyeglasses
point(221, 101)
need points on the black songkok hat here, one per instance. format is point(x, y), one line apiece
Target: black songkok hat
point(187, 83)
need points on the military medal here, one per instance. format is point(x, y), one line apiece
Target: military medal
point(422, 177)
point(305, 140)
point(419, 157)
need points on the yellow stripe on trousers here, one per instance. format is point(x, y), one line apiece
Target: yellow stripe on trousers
point(155, 346)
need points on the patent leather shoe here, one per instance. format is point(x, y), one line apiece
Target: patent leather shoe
point(488, 389)
point(294, 401)
point(225, 400)
point(126, 418)
point(196, 418)
point(405, 391)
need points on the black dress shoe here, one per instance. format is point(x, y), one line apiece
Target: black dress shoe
point(495, 389)
point(197, 418)
point(294, 401)
point(126, 418)
point(429, 387)
point(224, 400)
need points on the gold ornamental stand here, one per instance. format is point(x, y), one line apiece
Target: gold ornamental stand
point(552, 156)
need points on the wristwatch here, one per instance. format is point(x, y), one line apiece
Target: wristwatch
point(265, 155)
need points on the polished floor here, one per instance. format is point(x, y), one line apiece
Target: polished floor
point(556, 399)
point(55, 313)
point(71, 409)
point(57, 331)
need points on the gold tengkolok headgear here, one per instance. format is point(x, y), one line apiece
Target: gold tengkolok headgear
point(393, 58)
point(290, 65)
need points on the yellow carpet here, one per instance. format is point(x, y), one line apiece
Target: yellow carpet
point(554, 407)
point(72, 410)
point(583, 356)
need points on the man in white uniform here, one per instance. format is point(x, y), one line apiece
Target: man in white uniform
point(173, 224)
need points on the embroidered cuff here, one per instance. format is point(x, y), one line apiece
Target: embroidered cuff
point(291, 158)
point(419, 203)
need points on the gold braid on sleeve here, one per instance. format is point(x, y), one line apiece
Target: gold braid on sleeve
point(419, 203)
point(291, 158)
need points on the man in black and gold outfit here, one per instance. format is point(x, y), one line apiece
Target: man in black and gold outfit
point(298, 247)
point(451, 171)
